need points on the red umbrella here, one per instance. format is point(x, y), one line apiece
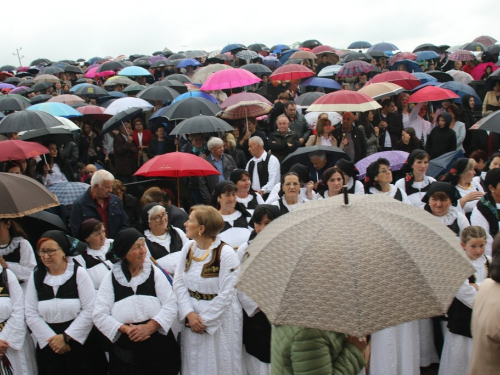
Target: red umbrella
point(479, 70)
point(176, 165)
point(343, 101)
point(402, 56)
point(243, 97)
point(93, 112)
point(290, 72)
point(17, 150)
point(404, 79)
point(431, 94)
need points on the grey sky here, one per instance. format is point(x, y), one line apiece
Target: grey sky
point(58, 29)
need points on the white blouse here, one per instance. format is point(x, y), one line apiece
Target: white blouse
point(168, 262)
point(416, 198)
point(55, 177)
point(467, 293)
point(12, 310)
point(97, 272)
point(27, 263)
point(469, 206)
point(391, 193)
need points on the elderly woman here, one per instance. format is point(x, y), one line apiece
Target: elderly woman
point(230, 148)
point(333, 182)
point(416, 183)
point(162, 239)
point(245, 194)
point(204, 285)
point(135, 309)
point(348, 168)
point(93, 259)
point(461, 175)
point(59, 303)
point(323, 134)
point(291, 198)
point(378, 181)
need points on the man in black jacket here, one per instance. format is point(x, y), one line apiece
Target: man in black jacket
point(283, 141)
point(298, 122)
point(252, 131)
point(350, 138)
point(390, 125)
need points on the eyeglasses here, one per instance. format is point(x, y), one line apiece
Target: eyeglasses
point(385, 171)
point(158, 219)
point(49, 252)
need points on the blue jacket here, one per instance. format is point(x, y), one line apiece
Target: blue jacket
point(85, 208)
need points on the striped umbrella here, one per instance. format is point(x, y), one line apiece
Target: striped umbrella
point(462, 55)
point(402, 56)
point(353, 68)
point(245, 109)
point(68, 192)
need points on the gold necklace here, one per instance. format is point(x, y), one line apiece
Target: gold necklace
point(203, 257)
point(465, 188)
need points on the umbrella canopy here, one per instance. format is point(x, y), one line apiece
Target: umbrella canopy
point(258, 69)
point(110, 65)
point(321, 82)
point(248, 55)
point(73, 69)
point(17, 150)
point(56, 109)
point(490, 122)
point(42, 98)
point(295, 288)
point(202, 74)
point(242, 97)
point(196, 54)
point(42, 221)
point(402, 56)
point(134, 71)
point(321, 49)
point(440, 76)
point(245, 109)
point(301, 156)
point(68, 192)
point(90, 91)
point(343, 101)
point(479, 70)
point(201, 124)
point(94, 112)
point(272, 62)
point(305, 100)
point(196, 94)
point(403, 79)
point(40, 86)
point(460, 76)
point(360, 44)
point(442, 164)
point(187, 108)
point(232, 47)
point(303, 55)
point(427, 47)
point(329, 71)
point(395, 158)
point(13, 102)
point(409, 66)
point(353, 68)
point(382, 47)
point(352, 56)
point(180, 77)
point(119, 118)
point(485, 40)
point(12, 67)
point(158, 93)
point(474, 46)
point(67, 124)
point(57, 134)
point(122, 104)
point(134, 89)
point(46, 78)
point(66, 99)
point(27, 120)
point(22, 195)
point(431, 94)
point(119, 80)
point(461, 89)
point(291, 72)
point(228, 79)
point(462, 55)
point(381, 90)
point(188, 62)
point(426, 55)
point(51, 70)
point(310, 43)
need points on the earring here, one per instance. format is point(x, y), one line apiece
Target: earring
point(199, 233)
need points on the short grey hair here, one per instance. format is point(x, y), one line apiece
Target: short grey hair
point(214, 142)
point(155, 210)
point(100, 176)
point(257, 140)
point(284, 116)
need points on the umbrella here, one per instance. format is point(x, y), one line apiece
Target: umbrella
point(202, 74)
point(303, 55)
point(40, 86)
point(431, 94)
point(56, 134)
point(228, 79)
point(257, 47)
point(119, 80)
point(280, 47)
point(176, 165)
point(490, 122)
point(42, 221)
point(291, 72)
point(305, 100)
point(410, 66)
point(245, 109)
point(460, 76)
point(322, 49)
point(18, 149)
point(474, 46)
point(440, 76)
point(122, 104)
point(187, 108)
point(343, 101)
point(461, 89)
point(381, 90)
point(485, 40)
point(119, 118)
point(301, 156)
point(41, 61)
point(158, 93)
point(7, 85)
point(110, 65)
point(179, 77)
point(22, 195)
point(353, 68)
point(395, 158)
point(329, 71)
point(310, 43)
point(42, 98)
point(20, 90)
point(442, 164)
point(493, 49)
point(402, 56)
point(68, 192)
point(178, 86)
point(202, 124)
point(196, 54)
point(242, 97)
point(73, 69)
point(479, 70)
point(134, 89)
point(51, 70)
point(232, 47)
point(91, 91)
point(248, 55)
point(352, 56)
point(56, 109)
point(258, 69)
point(67, 124)
point(382, 47)
point(426, 55)
point(295, 288)
point(321, 82)
point(196, 94)
point(187, 62)
point(12, 67)
point(46, 78)
point(404, 79)
point(13, 102)
point(359, 45)
point(462, 55)
point(427, 47)
point(272, 62)
point(27, 120)
point(66, 99)
point(159, 63)
point(93, 112)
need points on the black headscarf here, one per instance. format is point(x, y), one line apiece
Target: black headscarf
point(348, 167)
point(458, 167)
point(124, 241)
point(302, 172)
point(69, 245)
point(444, 187)
point(235, 175)
point(87, 228)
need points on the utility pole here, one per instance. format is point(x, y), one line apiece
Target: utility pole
point(18, 55)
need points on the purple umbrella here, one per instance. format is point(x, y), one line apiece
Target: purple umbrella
point(6, 86)
point(19, 89)
point(395, 158)
point(154, 59)
point(272, 62)
point(353, 68)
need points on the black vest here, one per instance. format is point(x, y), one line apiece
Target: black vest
point(353, 187)
point(158, 251)
point(69, 290)
point(240, 222)
point(15, 256)
point(454, 227)
point(253, 203)
point(262, 170)
point(412, 190)
point(147, 288)
point(488, 208)
point(4, 284)
point(283, 208)
point(212, 268)
point(90, 261)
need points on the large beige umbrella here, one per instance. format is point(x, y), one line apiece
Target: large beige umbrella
point(66, 99)
point(380, 90)
point(201, 74)
point(303, 55)
point(119, 80)
point(246, 109)
point(355, 268)
point(22, 195)
point(46, 78)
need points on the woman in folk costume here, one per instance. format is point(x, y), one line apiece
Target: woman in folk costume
point(354, 186)
point(378, 181)
point(135, 308)
point(208, 304)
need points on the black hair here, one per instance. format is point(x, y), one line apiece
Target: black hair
point(387, 102)
point(372, 171)
point(492, 178)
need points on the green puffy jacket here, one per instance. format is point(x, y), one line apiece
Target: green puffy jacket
point(308, 351)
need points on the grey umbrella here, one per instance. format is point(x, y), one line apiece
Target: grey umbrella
point(27, 120)
point(202, 124)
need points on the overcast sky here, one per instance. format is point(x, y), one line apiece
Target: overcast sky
point(58, 29)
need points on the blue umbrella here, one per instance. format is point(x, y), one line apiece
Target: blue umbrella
point(410, 66)
point(279, 47)
point(286, 55)
point(424, 77)
point(134, 71)
point(187, 62)
point(68, 192)
point(442, 164)
point(383, 47)
point(94, 60)
point(359, 45)
point(329, 71)
point(117, 94)
point(56, 109)
point(76, 87)
point(195, 94)
point(426, 55)
point(322, 82)
point(232, 47)
point(460, 89)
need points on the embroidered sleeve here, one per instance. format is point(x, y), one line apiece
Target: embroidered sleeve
point(25, 267)
point(14, 331)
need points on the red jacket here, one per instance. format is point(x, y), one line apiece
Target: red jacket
point(147, 136)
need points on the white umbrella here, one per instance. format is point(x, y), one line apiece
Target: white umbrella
point(126, 103)
point(67, 124)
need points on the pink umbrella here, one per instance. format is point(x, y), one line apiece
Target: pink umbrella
point(402, 56)
point(479, 70)
point(92, 73)
point(243, 97)
point(23, 69)
point(319, 49)
point(228, 79)
point(462, 55)
point(18, 89)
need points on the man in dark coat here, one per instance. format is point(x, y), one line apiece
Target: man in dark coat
point(124, 153)
point(350, 138)
point(298, 122)
point(390, 125)
point(283, 141)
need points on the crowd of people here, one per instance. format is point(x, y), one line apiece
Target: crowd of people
point(139, 285)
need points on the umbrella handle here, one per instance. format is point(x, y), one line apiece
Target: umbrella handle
point(346, 195)
point(44, 158)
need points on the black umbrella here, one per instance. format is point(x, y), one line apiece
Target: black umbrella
point(158, 93)
point(441, 76)
point(190, 107)
point(311, 43)
point(33, 70)
point(143, 63)
point(57, 135)
point(110, 65)
point(179, 77)
point(156, 53)
point(81, 80)
point(176, 56)
point(474, 46)
point(257, 47)
point(105, 101)
point(41, 222)
point(352, 56)
point(202, 124)
point(301, 155)
point(23, 74)
point(117, 120)
point(160, 63)
point(27, 120)
point(51, 70)
point(71, 62)
point(73, 69)
point(309, 98)
point(79, 104)
point(378, 54)
point(136, 56)
point(493, 49)
point(490, 122)
point(42, 98)
point(427, 47)
point(91, 91)
point(40, 86)
point(12, 80)
point(258, 69)
point(360, 44)
point(178, 86)
point(442, 164)
point(41, 62)
point(80, 60)
point(13, 102)
point(4, 68)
